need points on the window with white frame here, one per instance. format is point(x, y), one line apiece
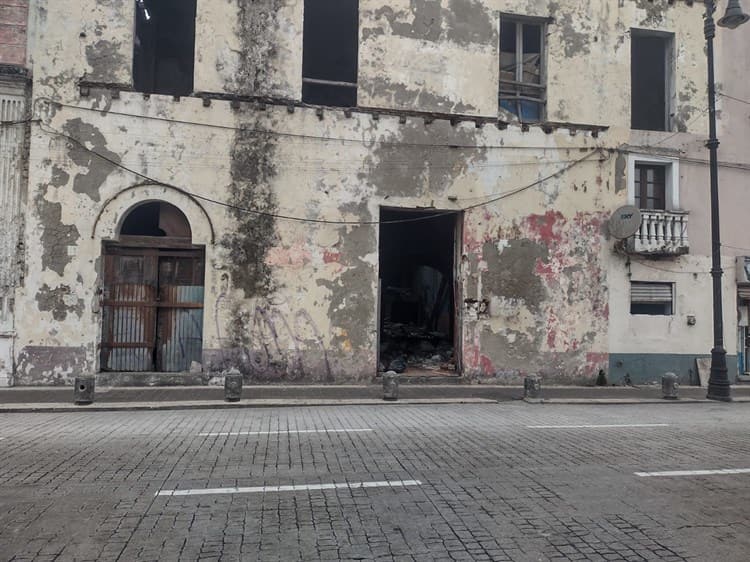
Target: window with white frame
point(522, 88)
point(654, 299)
point(653, 182)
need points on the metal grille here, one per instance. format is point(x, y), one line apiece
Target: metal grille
point(12, 108)
point(152, 309)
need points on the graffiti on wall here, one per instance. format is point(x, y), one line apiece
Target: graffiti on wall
point(269, 342)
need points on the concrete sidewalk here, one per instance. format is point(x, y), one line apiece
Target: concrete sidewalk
point(57, 399)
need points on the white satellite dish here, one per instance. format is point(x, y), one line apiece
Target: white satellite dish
point(625, 222)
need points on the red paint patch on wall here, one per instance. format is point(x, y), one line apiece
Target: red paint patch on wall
point(547, 226)
point(596, 361)
point(331, 257)
point(485, 365)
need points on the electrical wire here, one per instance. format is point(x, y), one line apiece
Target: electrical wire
point(746, 102)
point(649, 266)
point(18, 122)
point(246, 129)
point(494, 198)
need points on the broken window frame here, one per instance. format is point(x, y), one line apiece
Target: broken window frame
point(669, 77)
point(518, 85)
point(311, 80)
point(650, 298)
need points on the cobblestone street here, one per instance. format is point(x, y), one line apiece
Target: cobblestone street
point(508, 481)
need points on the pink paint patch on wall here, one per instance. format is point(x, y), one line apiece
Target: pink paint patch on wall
point(296, 256)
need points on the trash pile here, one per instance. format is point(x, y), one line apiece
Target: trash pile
point(404, 346)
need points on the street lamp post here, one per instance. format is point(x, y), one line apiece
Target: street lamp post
point(718, 382)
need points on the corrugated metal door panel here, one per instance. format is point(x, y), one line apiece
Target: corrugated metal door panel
point(650, 292)
point(180, 326)
point(129, 313)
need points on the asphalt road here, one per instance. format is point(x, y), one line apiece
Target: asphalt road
point(509, 481)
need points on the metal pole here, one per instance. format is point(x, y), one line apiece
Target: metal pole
point(718, 382)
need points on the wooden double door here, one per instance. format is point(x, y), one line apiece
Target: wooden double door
point(152, 308)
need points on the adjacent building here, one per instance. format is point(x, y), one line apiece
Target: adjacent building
point(312, 191)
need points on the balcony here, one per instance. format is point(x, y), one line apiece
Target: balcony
point(662, 233)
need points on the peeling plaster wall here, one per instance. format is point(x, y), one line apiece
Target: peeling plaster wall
point(402, 43)
point(249, 48)
point(295, 301)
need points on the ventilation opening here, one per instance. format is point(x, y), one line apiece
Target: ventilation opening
point(417, 292)
point(330, 52)
point(163, 53)
point(156, 219)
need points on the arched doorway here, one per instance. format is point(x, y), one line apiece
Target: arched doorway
point(152, 306)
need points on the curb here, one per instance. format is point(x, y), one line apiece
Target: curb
point(209, 405)
point(625, 401)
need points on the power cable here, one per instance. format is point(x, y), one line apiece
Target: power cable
point(314, 137)
point(746, 102)
point(495, 198)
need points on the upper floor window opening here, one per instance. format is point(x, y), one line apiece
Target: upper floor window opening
point(330, 52)
point(522, 88)
point(651, 73)
point(164, 46)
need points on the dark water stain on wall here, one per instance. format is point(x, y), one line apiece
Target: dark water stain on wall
point(53, 300)
point(51, 365)
point(252, 168)
point(352, 304)
point(56, 236)
point(401, 96)
point(98, 168)
point(512, 273)
point(400, 167)
point(258, 29)
point(105, 58)
point(655, 11)
point(464, 22)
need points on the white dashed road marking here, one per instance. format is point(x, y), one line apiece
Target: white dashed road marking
point(695, 472)
point(296, 488)
point(598, 426)
point(290, 431)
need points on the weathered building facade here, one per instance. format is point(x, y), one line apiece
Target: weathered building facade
point(231, 184)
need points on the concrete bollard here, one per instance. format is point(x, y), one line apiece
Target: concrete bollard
point(232, 385)
point(83, 391)
point(532, 386)
point(390, 385)
point(669, 386)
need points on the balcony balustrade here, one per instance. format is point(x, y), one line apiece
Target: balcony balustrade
point(661, 233)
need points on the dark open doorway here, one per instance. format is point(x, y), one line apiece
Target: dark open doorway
point(417, 291)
